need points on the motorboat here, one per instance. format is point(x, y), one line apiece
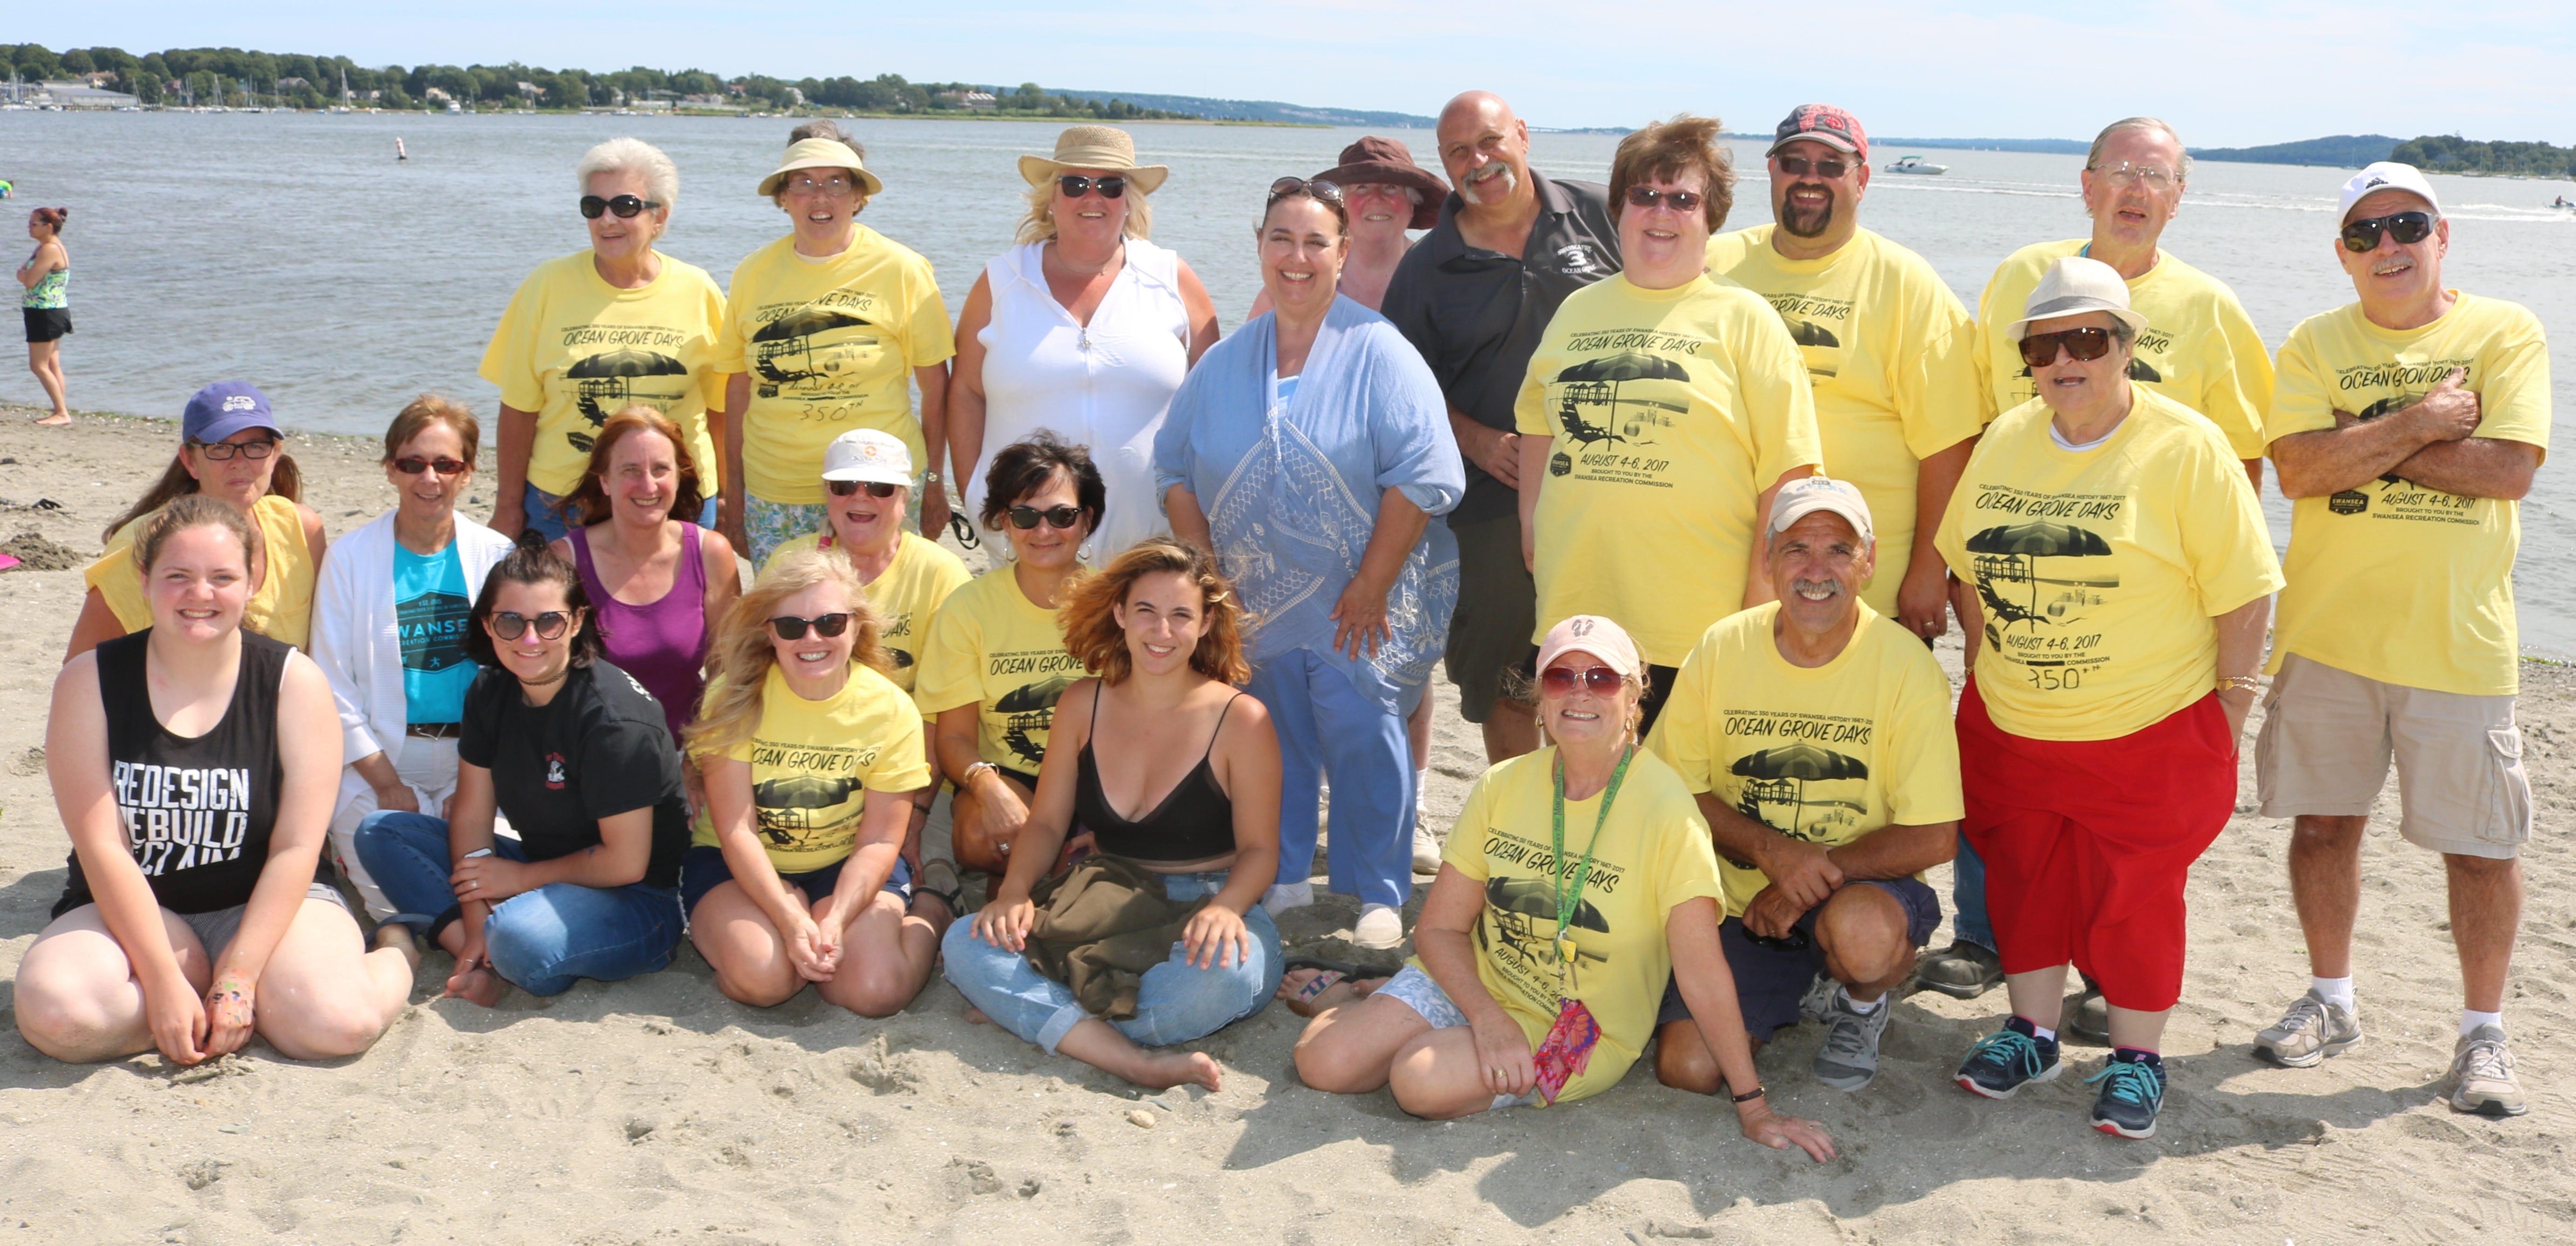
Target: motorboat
point(1915, 164)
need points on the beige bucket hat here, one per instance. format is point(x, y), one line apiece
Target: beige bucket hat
point(1094, 147)
point(2074, 285)
point(820, 153)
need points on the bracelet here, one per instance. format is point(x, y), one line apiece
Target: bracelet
point(1748, 1096)
point(930, 478)
point(971, 771)
point(2239, 683)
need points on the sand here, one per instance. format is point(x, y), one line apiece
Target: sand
point(655, 1110)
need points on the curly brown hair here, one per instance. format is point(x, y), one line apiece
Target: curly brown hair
point(1666, 149)
point(1092, 633)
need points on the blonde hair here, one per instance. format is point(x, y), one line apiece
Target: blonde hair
point(1038, 224)
point(741, 656)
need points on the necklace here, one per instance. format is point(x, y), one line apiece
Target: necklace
point(1567, 902)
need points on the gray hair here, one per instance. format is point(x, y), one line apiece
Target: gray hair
point(825, 127)
point(2093, 158)
point(631, 155)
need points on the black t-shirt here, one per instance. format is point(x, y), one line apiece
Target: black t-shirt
point(598, 749)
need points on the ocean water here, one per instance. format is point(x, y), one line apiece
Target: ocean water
point(294, 251)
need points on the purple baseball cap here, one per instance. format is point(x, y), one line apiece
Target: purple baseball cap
point(225, 408)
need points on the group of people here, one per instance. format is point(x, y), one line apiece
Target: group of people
point(1681, 510)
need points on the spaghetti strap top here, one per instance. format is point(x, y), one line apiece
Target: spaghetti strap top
point(1194, 823)
point(662, 644)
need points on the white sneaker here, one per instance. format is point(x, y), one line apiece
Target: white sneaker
point(1380, 926)
point(1285, 896)
point(1426, 849)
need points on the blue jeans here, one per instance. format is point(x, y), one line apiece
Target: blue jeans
point(1326, 728)
point(1968, 918)
point(1175, 1004)
point(539, 940)
point(540, 506)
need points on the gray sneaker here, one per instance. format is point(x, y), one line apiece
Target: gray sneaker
point(2481, 1075)
point(1962, 970)
point(2309, 1032)
point(1817, 1004)
point(1849, 1058)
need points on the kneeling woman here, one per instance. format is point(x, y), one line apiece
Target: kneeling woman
point(194, 765)
point(576, 755)
point(1162, 634)
point(813, 761)
point(1576, 878)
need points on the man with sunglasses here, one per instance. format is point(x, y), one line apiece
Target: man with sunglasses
point(1888, 349)
point(1815, 733)
point(2407, 426)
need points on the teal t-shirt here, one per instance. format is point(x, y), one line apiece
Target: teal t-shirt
point(430, 609)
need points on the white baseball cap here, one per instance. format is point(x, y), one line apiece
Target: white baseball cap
point(2072, 286)
point(1594, 635)
point(2386, 175)
point(1808, 494)
point(868, 454)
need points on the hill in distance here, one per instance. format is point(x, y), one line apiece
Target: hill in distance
point(1259, 110)
point(2342, 151)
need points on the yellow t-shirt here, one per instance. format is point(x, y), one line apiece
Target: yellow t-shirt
point(574, 349)
point(2101, 569)
point(1669, 412)
point(2200, 348)
point(1651, 856)
point(2394, 581)
point(813, 763)
point(830, 346)
point(991, 646)
point(281, 608)
point(1827, 754)
point(908, 595)
point(1890, 353)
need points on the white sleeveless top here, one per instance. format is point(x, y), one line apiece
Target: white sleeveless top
point(1105, 386)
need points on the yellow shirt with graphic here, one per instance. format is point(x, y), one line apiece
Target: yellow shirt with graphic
point(993, 647)
point(2200, 348)
point(1891, 355)
point(1669, 412)
point(2394, 581)
point(1825, 754)
point(814, 762)
point(281, 608)
point(830, 346)
point(574, 349)
point(1651, 856)
point(907, 594)
point(2100, 570)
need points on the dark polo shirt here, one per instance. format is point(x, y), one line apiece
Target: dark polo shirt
point(1476, 315)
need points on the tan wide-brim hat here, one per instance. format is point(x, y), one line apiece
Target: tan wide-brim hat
point(2074, 285)
point(820, 153)
point(1094, 147)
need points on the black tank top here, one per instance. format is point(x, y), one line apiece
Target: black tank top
point(197, 812)
point(1194, 823)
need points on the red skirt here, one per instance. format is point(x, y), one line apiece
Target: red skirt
point(2088, 843)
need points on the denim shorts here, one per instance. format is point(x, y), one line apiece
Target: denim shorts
point(1419, 992)
point(1770, 980)
point(703, 869)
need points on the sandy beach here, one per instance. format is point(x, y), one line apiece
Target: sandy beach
point(656, 1110)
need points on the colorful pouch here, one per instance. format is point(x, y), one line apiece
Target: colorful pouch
point(1567, 1049)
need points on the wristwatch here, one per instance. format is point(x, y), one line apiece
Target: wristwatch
point(930, 478)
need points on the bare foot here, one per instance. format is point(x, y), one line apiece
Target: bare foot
point(477, 985)
point(1297, 990)
point(975, 1016)
point(1161, 1070)
point(57, 420)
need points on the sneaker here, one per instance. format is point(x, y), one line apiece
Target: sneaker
point(1817, 1004)
point(2309, 1032)
point(2482, 1078)
point(1380, 926)
point(1962, 970)
point(1426, 848)
point(1849, 1058)
point(1285, 896)
point(2090, 1018)
point(2133, 1091)
point(2005, 1061)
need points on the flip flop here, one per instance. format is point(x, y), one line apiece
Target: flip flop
point(948, 896)
point(1302, 1000)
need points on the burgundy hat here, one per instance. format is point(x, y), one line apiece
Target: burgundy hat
point(1385, 162)
point(1825, 124)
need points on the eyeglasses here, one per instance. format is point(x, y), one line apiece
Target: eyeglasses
point(2408, 228)
point(829, 188)
point(222, 450)
point(1800, 166)
point(1075, 185)
point(789, 627)
point(511, 625)
point(2040, 349)
point(623, 205)
point(1562, 680)
point(1330, 192)
point(875, 488)
point(1648, 196)
point(2124, 175)
point(413, 466)
point(1026, 517)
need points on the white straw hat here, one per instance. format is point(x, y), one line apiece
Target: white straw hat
point(820, 153)
point(2072, 286)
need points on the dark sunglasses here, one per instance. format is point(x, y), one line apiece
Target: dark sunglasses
point(1075, 185)
point(1800, 166)
point(875, 488)
point(623, 205)
point(1561, 680)
point(2408, 228)
point(222, 450)
point(2040, 349)
point(1330, 192)
point(1026, 517)
point(1795, 942)
point(413, 466)
point(789, 627)
point(511, 625)
point(1648, 196)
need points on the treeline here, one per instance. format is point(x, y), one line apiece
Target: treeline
point(233, 77)
point(2446, 153)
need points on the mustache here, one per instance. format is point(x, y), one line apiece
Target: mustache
point(1498, 176)
point(1807, 222)
point(1832, 587)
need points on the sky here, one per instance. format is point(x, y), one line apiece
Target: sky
point(2225, 74)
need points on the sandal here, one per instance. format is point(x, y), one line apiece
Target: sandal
point(948, 895)
point(1302, 1000)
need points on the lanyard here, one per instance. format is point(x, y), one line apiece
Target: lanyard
point(1568, 901)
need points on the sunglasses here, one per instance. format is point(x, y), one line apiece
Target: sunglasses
point(875, 488)
point(1075, 185)
point(1800, 166)
point(413, 466)
point(222, 450)
point(789, 627)
point(623, 205)
point(1562, 680)
point(2040, 349)
point(511, 625)
point(1285, 187)
point(1796, 942)
point(1027, 517)
point(1648, 196)
point(2408, 228)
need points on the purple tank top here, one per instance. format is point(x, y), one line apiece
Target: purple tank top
point(663, 645)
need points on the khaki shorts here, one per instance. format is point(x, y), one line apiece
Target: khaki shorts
point(2328, 736)
point(1489, 635)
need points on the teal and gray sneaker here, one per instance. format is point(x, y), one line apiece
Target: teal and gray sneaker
point(2133, 1091)
point(2007, 1060)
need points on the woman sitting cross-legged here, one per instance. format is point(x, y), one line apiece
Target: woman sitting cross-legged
point(1162, 634)
point(1576, 878)
point(575, 754)
point(813, 763)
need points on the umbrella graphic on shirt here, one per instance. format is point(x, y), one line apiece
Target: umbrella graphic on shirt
point(1596, 382)
point(2394, 402)
point(794, 351)
point(1781, 775)
point(2008, 559)
point(787, 805)
point(1030, 708)
point(1525, 917)
point(1809, 333)
point(606, 381)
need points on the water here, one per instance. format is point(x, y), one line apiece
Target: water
point(294, 251)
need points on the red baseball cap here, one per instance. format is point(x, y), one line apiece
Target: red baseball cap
point(1825, 124)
